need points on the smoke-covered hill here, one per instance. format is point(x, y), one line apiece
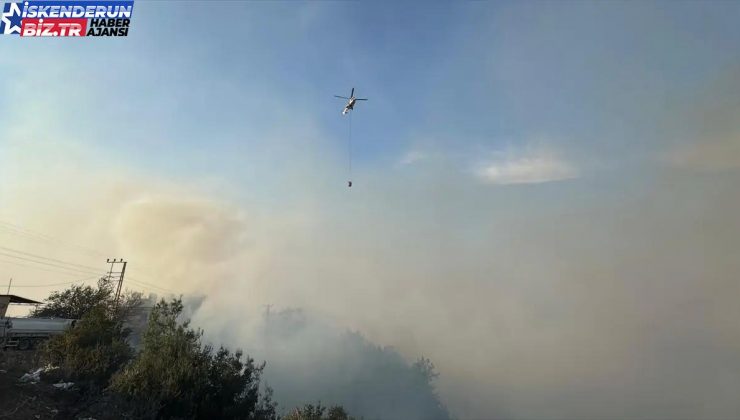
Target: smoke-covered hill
point(310, 360)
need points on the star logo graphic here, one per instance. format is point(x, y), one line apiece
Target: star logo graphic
point(10, 21)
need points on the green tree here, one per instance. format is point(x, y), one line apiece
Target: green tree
point(77, 300)
point(425, 370)
point(73, 303)
point(177, 376)
point(91, 351)
point(96, 346)
point(318, 412)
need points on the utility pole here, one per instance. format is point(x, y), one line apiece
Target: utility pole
point(268, 327)
point(118, 274)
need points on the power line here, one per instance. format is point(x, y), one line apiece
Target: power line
point(152, 286)
point(72, 268)
point(47, 263)
point(96, 275)
point(50, 239)
point(23, 231)
point(149, 286)
point(51, 285)
point(18, 230)
point(30, 234)
point(46, 258)
point(65, 273)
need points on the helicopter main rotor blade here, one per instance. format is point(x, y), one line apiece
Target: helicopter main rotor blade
point(360, 99)
point(353, 93)
point(343, 97)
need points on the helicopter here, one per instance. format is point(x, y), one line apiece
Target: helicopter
point(351, 104)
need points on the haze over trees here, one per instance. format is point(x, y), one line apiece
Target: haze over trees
point(311, 361)
point(174, 374)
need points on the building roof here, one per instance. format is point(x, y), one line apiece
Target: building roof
point(19, 299)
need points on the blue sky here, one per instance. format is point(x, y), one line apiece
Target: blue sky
point(589, 79)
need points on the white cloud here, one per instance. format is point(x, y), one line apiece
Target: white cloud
point(412, 157)
point(533, 169)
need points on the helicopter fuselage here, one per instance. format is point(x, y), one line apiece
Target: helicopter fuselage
point(350, 106)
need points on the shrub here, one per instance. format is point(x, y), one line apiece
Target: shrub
point(91, 351)
point(179, 377)
point(78, 300)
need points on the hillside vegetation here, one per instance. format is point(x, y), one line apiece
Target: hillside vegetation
point(171, 374)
